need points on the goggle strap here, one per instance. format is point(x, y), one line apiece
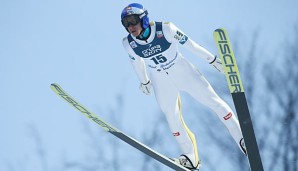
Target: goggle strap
point(143, 14)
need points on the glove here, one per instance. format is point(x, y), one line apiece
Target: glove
point(146, 88)
point(216, 63)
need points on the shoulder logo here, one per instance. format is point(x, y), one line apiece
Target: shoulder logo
point(133, 44)
point(182, 38)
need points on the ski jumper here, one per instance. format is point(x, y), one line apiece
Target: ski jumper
point(171, 73)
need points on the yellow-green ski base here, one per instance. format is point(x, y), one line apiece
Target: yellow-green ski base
point(227, 57)
point(107, 127)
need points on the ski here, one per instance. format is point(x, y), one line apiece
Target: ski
point(107, 127)
point(236, 89)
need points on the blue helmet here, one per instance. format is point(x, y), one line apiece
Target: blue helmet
point(138, 9)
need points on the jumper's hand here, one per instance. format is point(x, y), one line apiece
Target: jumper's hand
point(216, 63)
point(146, 88)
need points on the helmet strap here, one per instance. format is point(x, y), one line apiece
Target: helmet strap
point(143, 14)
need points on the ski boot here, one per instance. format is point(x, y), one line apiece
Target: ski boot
point(184, 161)
point(243, 147)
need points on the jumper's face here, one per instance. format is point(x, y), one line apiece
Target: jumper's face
point(135, 30)
point(133, 24)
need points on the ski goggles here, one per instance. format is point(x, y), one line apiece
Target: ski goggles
point(131, 20)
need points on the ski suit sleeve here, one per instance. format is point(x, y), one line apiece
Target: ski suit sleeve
point(175, 35)
point(137, 62)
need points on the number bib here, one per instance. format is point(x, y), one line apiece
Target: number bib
point(158, 53)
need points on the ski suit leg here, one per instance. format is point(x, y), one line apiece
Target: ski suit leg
point(197, 86)
point(167, 96)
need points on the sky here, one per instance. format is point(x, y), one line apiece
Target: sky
point(77, 44)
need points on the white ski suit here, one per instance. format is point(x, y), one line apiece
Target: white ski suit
point(170, 73)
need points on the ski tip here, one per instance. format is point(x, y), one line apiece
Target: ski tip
point(54, 84)
point(220, 29)
point(220, 34)
point(55, 87)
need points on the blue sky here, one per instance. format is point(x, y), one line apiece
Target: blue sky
point(78, 44)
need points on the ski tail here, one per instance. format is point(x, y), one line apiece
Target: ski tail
point(107, 127)
point(237, 91)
